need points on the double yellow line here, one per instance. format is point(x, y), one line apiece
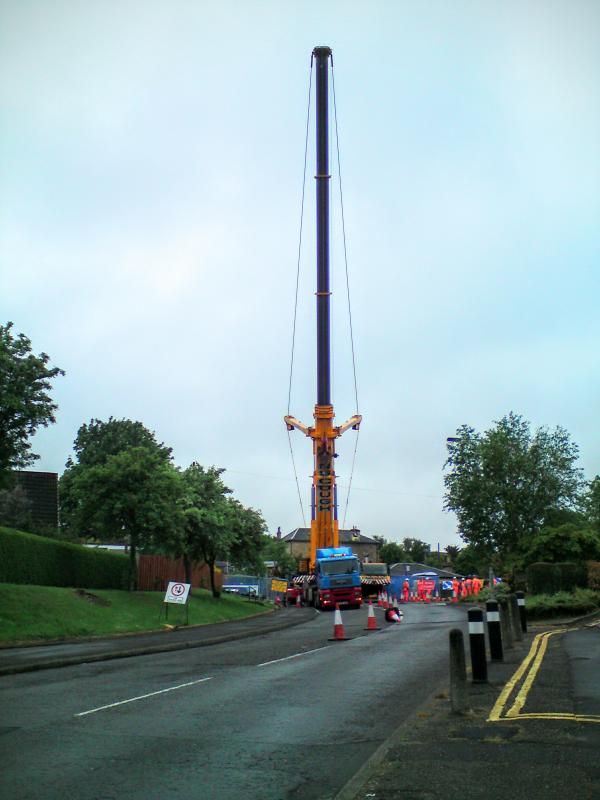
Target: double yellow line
point(531, 662)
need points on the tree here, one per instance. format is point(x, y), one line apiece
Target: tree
point(392, 553)
point(96, 442)
point(121, 486)
point(568, 542)
point(504, 483)
point(25, 403)
point(15, 509)
point(416, 550)
point(591, 503)
point(209, 521)
point(133, 494)
point(277, 551)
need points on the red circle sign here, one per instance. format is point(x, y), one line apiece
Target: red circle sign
point(177, 589)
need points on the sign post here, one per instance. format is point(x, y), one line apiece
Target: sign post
point(177, 593)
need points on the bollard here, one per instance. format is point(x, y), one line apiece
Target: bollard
point(514, 618)
point(507, 637)
point(494, 632)
point(477, 645)
point(458, 673)
point(522, 613)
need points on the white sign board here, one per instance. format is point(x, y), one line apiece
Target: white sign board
point(177, 592)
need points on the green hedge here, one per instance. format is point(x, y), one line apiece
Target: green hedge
point(27, 558)
point(546, 578)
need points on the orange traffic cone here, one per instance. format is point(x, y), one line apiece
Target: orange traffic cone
point(428, 597)
point(384, 602)
point(380, 599)
point(338, 628)
point(371, 621)
point(298, 601)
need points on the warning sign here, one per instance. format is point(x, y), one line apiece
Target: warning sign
point(278, 585)
point(177, 593)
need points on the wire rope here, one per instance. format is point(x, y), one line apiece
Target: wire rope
point(297, 287)
point(337, 143)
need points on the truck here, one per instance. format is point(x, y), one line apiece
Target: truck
point(333, 573)
point(374, 578)
point(335, 579)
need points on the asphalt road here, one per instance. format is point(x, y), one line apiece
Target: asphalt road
point(275, 717)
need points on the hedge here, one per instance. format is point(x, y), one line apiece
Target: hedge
point(546, 578)
point(32, 559)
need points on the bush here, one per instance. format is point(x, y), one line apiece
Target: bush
point(593, 575)
point(581, 601)
point(28, 558)
point(543, 578)
point(572, 576)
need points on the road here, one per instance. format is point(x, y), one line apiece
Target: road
point(282, 716)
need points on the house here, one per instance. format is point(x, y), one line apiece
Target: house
point(366, 548)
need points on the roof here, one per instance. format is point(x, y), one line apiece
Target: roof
point(413, 568)
point(347, 536)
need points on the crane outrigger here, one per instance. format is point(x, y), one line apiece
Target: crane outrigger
point(324, 526)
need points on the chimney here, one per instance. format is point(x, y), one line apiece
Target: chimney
point(279, 532)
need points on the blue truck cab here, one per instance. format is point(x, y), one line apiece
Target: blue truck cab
point(337, 578)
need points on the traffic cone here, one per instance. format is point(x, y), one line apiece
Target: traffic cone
point(380, 600)
point(391, 615)
point(384, 601)
point(338, 627)
point(396, 604)
point(371, 621)
point(298, 601)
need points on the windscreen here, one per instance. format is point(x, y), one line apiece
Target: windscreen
point(374, 569)
point(341, 566)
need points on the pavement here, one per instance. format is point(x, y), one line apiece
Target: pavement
point(28, 658)
point(532, 731)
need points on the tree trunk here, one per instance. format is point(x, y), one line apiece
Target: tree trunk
point(132, 568)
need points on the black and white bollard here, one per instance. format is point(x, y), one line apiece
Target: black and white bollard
point(458, 673)
point(507, 636)
point(477, 645)
point(514, 618)
point(522, 613)
point(494, 631)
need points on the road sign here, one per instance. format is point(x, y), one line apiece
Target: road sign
point(278, 585)
point(177, 593)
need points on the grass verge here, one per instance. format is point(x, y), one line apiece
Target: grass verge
point(31, 613)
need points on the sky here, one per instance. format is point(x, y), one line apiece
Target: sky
point(151, 172)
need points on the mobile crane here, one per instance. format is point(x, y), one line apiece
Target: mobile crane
point(334, 571)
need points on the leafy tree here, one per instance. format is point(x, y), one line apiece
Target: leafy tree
point(392, 553)
point(15, 509)
point(209, 521)
point(568, 542)
point(505, 483)
point(591, 503)
point(277, 551)
point(96, 442)
point(133, 494)
point(25, 404)
point(416, 550)
point(452, 552)
point(248, 550)
point(471, 560)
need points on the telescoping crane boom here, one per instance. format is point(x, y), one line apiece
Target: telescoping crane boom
point(324, 526)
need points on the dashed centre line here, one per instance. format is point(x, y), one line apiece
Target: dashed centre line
point(143, 696)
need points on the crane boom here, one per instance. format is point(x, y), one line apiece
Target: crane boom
point(324, 526)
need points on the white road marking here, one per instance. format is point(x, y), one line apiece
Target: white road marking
point(296, 655)
point(142, 697)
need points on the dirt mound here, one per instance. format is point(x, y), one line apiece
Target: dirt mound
point(92, 598)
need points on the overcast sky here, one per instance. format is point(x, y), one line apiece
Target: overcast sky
point(151, 175)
